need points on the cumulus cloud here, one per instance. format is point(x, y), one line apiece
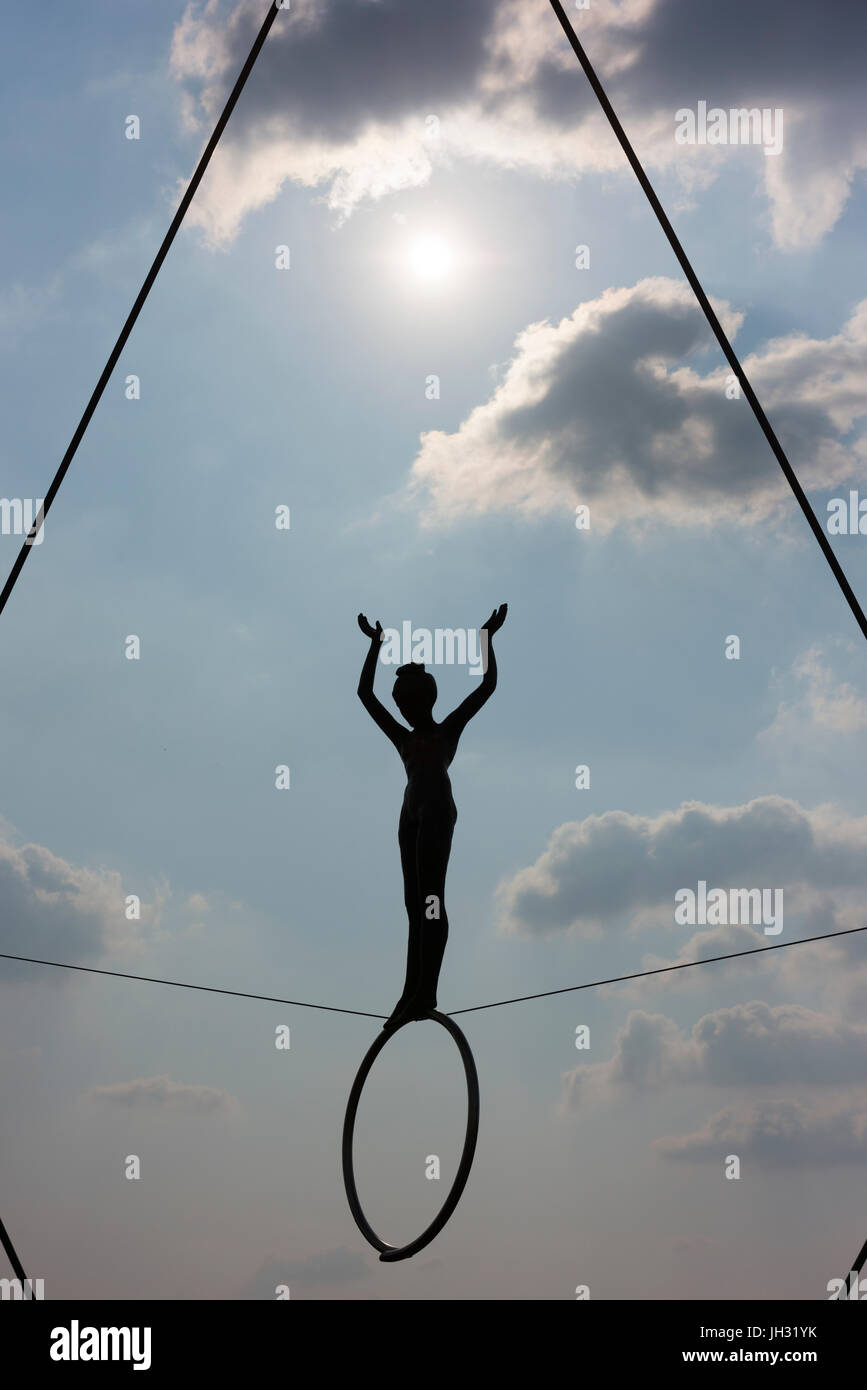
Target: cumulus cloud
point(754, 1044)
point(620, 867)
point(601, 409)
point(776, 1134)
point(341, 93)
point(51, 908)
point(328, 1269)
point(161, 1093)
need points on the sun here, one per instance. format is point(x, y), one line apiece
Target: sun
point(431, 259)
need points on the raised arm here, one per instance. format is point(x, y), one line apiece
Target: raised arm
point(390, 726)
point(457, 721)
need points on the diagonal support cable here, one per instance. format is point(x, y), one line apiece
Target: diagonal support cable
point(6, 1242)
point(107, 370)
point(718, 331)
point(137, 307)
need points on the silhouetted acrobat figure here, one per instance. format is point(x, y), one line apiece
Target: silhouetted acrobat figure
point(428, 814)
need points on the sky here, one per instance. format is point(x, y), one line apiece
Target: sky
point(420, 300)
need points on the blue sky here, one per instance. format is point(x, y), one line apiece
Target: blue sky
point(306, 388)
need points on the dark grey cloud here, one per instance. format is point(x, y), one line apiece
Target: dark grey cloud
point(737, 54)
point(506, 85)
point(603, 409)
point(332, 66)
point(52, 909)
point(420, 55)
point(754, 1044)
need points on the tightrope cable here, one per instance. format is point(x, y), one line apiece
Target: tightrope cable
point(661, 970)
point(185, 984)
point(360, 1013)
point(474, 1008)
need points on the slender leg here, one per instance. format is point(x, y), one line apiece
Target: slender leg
point(407, 839)
point(433, 848)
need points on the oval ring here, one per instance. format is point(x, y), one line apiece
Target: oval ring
point(402, 1252)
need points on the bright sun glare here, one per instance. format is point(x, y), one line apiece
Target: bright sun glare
point(431, 259)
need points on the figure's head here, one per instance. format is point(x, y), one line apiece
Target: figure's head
point(415, 692)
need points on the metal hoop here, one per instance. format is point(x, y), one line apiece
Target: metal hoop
point(391, 1253)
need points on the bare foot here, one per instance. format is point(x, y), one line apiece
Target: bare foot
point(400, 1014)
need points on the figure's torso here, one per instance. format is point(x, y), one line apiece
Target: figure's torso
point(426, 755)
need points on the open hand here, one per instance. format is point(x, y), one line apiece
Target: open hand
point(496, 620)
point(369, 631)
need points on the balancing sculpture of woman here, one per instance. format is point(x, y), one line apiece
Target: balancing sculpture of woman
point(428, 814)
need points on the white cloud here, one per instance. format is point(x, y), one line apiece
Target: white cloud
point(822, 702)
point(776, 1134)
point(161, 1093)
